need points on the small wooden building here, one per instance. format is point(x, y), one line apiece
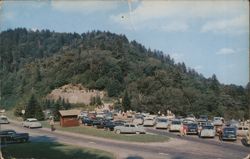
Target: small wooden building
point(69, 118)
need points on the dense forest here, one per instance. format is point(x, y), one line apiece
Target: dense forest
point(36, 62)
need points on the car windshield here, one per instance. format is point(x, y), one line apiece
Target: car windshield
point(230, 131)
point(208, 127)
point(216, 118)
point(162, 120)
point(192, 125)
point(176, 122)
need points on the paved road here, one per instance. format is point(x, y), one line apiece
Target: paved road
point(176, 148)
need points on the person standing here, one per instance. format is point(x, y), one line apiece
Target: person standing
point(182, 130)
point(52, 124)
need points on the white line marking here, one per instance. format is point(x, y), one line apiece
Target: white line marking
point(92, 142)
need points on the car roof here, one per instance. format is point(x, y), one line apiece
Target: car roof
point(31, 119)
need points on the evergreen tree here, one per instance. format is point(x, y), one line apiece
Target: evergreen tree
point(33, 109)
point(98, 100)
point(126, 103)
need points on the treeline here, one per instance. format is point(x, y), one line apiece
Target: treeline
point(150, 80)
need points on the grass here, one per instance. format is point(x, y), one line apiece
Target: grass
point(52, 151)
point(88, 130)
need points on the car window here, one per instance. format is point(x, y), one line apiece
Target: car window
point(245, 128)
point(132, 125)
point(240, 128)
point(176, 122)
point(126, 125)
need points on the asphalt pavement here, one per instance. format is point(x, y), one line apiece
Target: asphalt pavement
point(177, 148)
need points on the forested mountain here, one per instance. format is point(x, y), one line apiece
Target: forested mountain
point(39, 61)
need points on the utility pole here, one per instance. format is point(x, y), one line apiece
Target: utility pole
point(1, 155)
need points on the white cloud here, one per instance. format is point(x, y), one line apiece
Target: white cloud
point(83, 6)
point(226, 51)
point(236, 25)
point(152, 14)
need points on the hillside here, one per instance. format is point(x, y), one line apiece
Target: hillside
point(39, 62)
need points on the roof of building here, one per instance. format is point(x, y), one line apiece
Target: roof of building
point(72, 112)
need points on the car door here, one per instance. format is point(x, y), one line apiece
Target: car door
point(126, 128)
point(132, 128)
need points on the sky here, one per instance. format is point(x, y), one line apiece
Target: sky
point(210, 36)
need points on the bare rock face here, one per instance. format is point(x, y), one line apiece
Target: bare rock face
point(74, 93)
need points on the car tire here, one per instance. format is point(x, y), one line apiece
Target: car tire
point(118, 131)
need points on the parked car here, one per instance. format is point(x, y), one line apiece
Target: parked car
point(190, 117)
point(129, 128)
point(98, 123)
point(229, 133)
point(109, 116)
point(207, 131)
point(87, 121)
point(192, 128)
point(138, 120)
point(201, 124)
point(83, 114)
point(149, 121)
point(202, 118)
point(11, 136)
point(242, 131)
point(233, 123)
point(100, 115)
point(109, 125)
point(218, 121)
point(119, 122)
point(4, 120)
point(32, 123)
point(175, 125)
point(162, 123)
point(92, 115)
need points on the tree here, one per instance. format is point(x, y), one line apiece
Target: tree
point(33, 109)
point(113, 88)
point(215, 84)
point(98, 100)
point(126, 103)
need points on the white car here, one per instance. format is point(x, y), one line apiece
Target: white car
point(138, 120)
point(4, 120)
point(207, 131)
point(242, 131)
point(31, 123)
point(218, 121)
point(130, 129)
point(162, 123)
point(149, 121)
point(175, 125)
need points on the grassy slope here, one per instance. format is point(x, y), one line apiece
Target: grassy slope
point(52, 151)
point(88, 130)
